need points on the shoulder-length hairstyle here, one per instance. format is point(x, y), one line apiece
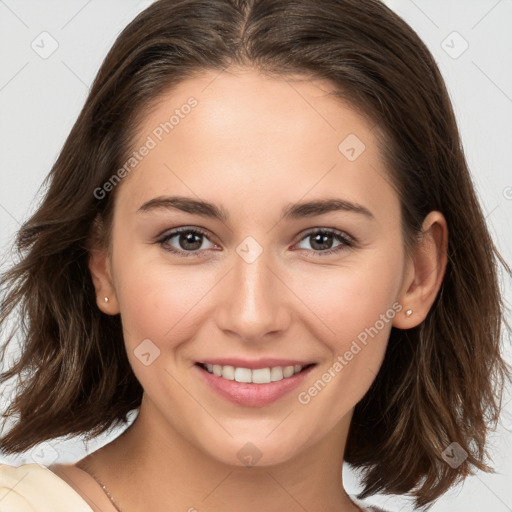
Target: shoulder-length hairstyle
point(439, 383)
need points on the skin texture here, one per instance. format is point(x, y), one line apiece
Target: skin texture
point(253, 145)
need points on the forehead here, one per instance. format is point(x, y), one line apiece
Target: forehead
point(297, 105)
point(244, 135)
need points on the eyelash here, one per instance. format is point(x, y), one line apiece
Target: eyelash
point(346, 241)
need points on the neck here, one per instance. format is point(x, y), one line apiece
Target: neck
point(153, 467)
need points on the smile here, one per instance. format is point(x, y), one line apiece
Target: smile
point(253, 387)
point(256, 376)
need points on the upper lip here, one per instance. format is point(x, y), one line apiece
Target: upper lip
point(254, 364)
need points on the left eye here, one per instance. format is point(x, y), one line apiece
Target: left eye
point(321, 241)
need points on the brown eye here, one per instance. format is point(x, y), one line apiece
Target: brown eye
point(185, 241)
point(326, 241)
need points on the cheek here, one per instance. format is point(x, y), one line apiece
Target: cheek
point(160, 308)
point(356, 306)
point(160, 302)
point(348, 299)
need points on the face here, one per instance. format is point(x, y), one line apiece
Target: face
point(296, 261)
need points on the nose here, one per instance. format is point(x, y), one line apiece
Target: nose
point(254, 301)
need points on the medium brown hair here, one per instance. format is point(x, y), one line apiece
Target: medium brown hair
point(440, 382)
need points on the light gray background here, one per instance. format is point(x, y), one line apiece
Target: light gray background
point(41, 95)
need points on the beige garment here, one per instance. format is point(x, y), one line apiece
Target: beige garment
point(35, 488)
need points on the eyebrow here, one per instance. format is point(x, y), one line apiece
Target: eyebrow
point(292, 211)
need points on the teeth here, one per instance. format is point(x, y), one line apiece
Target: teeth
point(276, 374)
point(258, 376)
point(261, 375)
point(243, 375)
point(228, 372)
point(288, 371)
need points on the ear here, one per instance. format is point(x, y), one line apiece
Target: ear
point(100, 268)
point(425, 272)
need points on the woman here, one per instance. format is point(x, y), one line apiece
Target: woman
point(262, 236)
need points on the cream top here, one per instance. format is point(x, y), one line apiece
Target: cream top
point(35, 488)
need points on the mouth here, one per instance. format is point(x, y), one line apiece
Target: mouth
point(253, 387)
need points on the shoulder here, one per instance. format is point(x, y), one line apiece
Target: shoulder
point(33, 487)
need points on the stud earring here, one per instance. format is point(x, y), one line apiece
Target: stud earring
point(106, 299)
point(408, 312)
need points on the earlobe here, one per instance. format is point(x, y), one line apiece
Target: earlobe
point(99, 266)
point(426, 273)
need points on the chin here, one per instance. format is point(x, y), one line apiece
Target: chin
point(254, 450)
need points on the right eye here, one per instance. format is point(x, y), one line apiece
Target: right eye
point(185, 241)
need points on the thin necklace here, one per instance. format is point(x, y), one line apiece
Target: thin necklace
point(102, 485)
point(111, 498)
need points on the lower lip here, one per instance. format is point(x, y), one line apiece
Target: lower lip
point(250, 394)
